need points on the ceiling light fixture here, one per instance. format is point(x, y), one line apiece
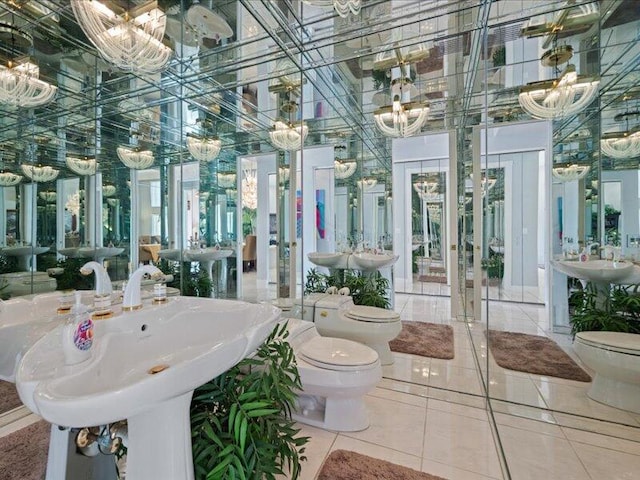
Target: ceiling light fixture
point(9, 179)
point(20, 85)
point(570, 172)
point(131, 41)
point(367, 183)
point(203, 148)
point(289, 136)
point(82, 166)
point(402, 118)
point(134, 158)
point(621, 144)
point(108, 190)
point(559, 98)
point(342, 7)
point(344, 168)
point(227, 179)
point(39, 173)
point(48, 196)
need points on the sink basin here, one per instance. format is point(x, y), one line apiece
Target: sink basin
point(329, 260)
point(24, 254)
point(99, 253)
point(71, 252)
point(373, 261)
point(207, 254)
point(599, 271)
point(170, 254)
point(190, 341)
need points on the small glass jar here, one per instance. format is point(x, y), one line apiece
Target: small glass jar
point(159, 293)
point(65, 302)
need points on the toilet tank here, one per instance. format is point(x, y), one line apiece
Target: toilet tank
point(300, 331)
point(304, 307)
point(331, 305)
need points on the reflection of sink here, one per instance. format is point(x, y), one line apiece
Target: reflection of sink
point(99, 253)
point(497, 249)
point(373, 261)
point(601, 271)
point(207, 254)
point(170, 254)
point(330, 260)
point(71, 252)
point(24, 254)
point(194, 339)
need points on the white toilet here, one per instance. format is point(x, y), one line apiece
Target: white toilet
point(337, 316)
point(335, 374)
point(615, 357)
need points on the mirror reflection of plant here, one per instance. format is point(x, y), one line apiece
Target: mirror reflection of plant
point(71, 278)
point(196, 282)
point(366, 289)
point(494, 265)
point(241, 420)
point(620, 312)
point(8, 264)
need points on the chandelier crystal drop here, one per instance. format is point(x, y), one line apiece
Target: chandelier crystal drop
point(39, 173)
point(204, 149)
point(250, 190)
point(342, 7)
point(403, 117)
point(344, 169)
point(20, 85)
point(82, 166)
point(621, 145)
point(134, 158)
point(287, 136)
point(9, 179)
point(132, 41)
point(560, 98)
point(568, 173)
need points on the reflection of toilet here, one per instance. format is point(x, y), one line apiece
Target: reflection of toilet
point(615, 357)
point(337, 316)
point(335, 374)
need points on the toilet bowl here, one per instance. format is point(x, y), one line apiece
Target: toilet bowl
point(615, 357)
point(335, 375)
point(337, 316)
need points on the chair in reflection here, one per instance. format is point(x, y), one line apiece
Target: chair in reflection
point(249, 253)
point(148, 248)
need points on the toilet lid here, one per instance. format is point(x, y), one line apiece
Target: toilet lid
point(337, 354)
point(614, 341)
point(365, 313)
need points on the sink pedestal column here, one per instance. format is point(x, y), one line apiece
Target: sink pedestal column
point(160, 442)
point(602, 290)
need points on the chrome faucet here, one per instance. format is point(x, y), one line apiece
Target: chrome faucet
point(103, 282)
point(131, 299)
point(591, 245)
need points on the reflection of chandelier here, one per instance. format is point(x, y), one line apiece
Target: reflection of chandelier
point(226, 179)
point(48, 196)
point(39, 173)
point(283, 173)
point(621, 145)
point(558, 98)
point(571, 172)
point(20, 85)
point(82, 166)
point(132, 41)
point(204, 149)
point(367, 183)
point(287, 136)
point(402, 118)
point(342, 7)
point(108, 190)
point(9, 179)
point(250, 190)
point(344, 169)
point(424, 187)
point(73, 203)
point(134, 158)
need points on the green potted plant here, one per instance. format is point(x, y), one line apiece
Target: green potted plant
point(241, 420)
point(620, 312)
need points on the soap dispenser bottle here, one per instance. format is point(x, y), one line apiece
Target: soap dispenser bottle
point(77, 334)
point(584, 255)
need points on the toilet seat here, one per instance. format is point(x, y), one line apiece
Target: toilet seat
point(337, 354)
point(619, 342)
point(365, 313)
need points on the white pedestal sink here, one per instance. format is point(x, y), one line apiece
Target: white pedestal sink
point(373, 261)
point(24, 254)
point(70, 252)
point(99, 253)
point(206, 257)
point(172, 254)
point(329, 259)
point(190, 340)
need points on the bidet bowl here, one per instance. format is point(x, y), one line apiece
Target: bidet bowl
point(373, 261)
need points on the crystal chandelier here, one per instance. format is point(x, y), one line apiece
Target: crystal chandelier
point(284, 173)
point(203, 148)
point(132, 41)
point(570, 172)
point(40, 174)
point(250, 190)
point(560, 98)
point(226, 179)
point(20, 85)
point(48, 196)
point(82, 166)
point(403, 117)
point(73, 204)
point(9, 179)
point(344, 169)
point(289, 136)
point(342, 7)
point(424, 187)
point(621, 145)
point(134, 158)
point(367, 183)
point(108, 190)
